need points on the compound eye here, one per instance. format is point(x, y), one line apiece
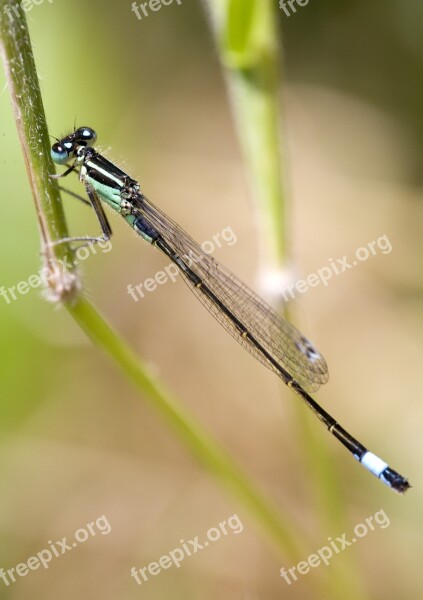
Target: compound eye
point(86, 134)
point(59, 153)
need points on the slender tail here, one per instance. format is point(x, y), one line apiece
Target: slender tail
point(370, 461)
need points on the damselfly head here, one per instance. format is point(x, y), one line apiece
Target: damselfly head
point(66, 148)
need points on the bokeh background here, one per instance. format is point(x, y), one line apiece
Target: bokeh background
point(77, 442)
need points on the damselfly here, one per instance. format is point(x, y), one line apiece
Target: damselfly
point(248, 318)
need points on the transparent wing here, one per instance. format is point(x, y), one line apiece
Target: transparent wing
point(288, 346)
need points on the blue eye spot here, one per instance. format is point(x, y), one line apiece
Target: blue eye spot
point(59, 153)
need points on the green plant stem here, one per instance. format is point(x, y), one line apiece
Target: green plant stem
point(249, 50)
point(27, 104)
point(28, 109)
point(248, 46)
point(195, 438)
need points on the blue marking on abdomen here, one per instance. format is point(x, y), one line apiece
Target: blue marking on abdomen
point(145, 230)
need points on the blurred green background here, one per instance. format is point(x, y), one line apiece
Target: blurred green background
point(76, 442)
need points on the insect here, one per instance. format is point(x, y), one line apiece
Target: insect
point(247, 317)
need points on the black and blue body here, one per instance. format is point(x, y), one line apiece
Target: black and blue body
point(247, 317)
